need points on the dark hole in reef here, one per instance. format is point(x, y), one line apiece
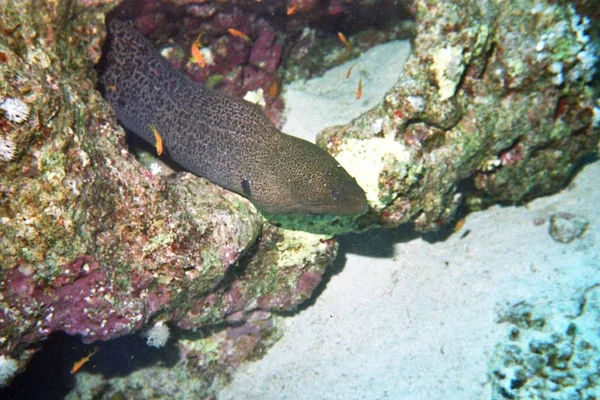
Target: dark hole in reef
point(50, 368)
point(356, 17)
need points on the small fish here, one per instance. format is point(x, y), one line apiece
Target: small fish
point(459, 224)
point(236, 33)
point(159, 143)
point(112, 87)
point(273, 89)
point(343, 39)
point(197, 57)
point(292, 9)
point(359, 89)
point(349, 73)
point(81, 362)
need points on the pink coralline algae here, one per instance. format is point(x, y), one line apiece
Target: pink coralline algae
point(82, 300)
point(266, 52)
point(261, 288)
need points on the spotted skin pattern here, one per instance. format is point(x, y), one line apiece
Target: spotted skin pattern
point(224, 139)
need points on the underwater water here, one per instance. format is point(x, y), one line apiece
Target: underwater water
point(471, 129)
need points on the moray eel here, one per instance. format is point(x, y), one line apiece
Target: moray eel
point(227, 140)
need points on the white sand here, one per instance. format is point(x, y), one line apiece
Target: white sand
point(331, 99)
point(408, 319)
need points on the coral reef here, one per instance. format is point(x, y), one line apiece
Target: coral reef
point(549, 354)
point(494, 106)
point(96, 244)
point(206, 360)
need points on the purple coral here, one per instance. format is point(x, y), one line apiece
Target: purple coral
point(81, 300)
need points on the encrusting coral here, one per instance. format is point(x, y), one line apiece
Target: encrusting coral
point(95, 244)
point(494, 106)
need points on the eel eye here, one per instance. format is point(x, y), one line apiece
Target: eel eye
point(246, 187)
point(335, 194)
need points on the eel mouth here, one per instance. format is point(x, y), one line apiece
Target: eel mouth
point(347, 206)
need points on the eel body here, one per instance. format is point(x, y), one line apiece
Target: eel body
point(224, 139)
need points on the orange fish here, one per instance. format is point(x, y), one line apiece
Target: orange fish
point(359, 89)
point(292, 9)
point(273, 89)
point(459, 224)
point(81, 362)
point(236, 33)
point(112, 87)
point(197, 57)
point(343, 39)
point(159, 143)
point(349, 72)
